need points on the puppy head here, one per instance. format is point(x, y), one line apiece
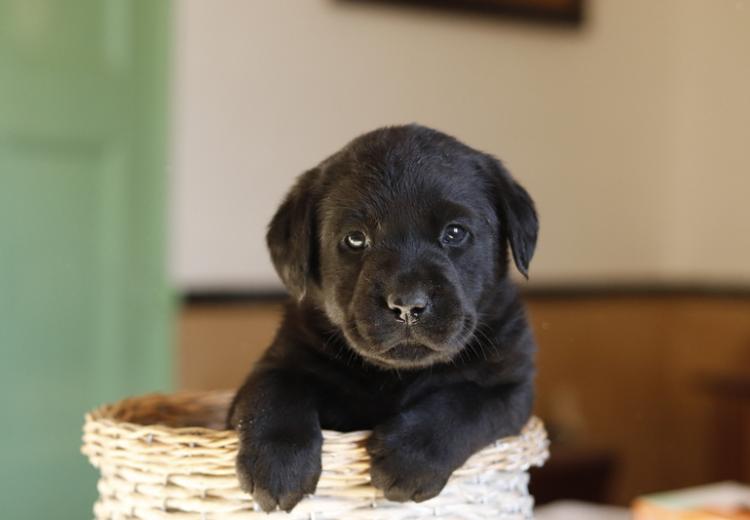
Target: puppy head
point(400, 237)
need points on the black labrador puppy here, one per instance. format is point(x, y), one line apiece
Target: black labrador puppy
point(403, 319)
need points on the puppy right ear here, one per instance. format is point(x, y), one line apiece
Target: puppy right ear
point(517, 213)
point(292, 236)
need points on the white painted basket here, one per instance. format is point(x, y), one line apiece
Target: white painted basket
point(167, 457)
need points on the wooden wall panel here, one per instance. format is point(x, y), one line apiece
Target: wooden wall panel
point(628, 374)
point(218, 344)
point(598, 363)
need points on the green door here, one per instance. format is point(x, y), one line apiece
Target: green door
point(84, 305)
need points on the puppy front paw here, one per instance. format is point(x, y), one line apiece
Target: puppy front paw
point(407, 462)
point(279, 473)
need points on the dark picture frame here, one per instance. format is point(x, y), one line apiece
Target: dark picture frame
point(557, 11)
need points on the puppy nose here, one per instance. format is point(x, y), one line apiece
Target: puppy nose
point(408, 307)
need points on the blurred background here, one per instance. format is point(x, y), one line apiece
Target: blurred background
point(145, 145)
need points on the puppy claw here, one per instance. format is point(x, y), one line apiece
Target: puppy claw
point(422, 495)
point(288, 501)
point(404, 492)
point(264, 499)
point(397, 493)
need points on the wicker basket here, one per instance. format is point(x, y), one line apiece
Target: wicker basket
point(167, 457)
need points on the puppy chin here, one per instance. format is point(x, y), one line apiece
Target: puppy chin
point(413, 355)
point(402, 353)
point(404, 356)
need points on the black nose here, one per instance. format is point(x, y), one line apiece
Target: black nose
point(408, 307)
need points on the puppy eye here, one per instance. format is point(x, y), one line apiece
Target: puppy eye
point(453, 235)
point(356, 240)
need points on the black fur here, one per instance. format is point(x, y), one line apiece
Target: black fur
point(436, 382)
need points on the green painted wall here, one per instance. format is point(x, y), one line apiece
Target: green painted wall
point(85, 311)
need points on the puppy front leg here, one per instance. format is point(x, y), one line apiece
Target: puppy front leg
point(276, 417)
point(415, 452)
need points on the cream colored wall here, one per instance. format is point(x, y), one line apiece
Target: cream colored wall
point(631, 133)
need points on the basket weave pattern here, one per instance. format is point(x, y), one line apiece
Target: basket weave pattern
point(168, 457)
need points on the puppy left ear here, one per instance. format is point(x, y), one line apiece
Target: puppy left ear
point(517, 214)
point(292, 236)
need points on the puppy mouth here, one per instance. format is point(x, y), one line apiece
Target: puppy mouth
point(409, 350)
point(405, 355)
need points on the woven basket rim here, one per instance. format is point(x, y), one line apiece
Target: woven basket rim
point(102, 414)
